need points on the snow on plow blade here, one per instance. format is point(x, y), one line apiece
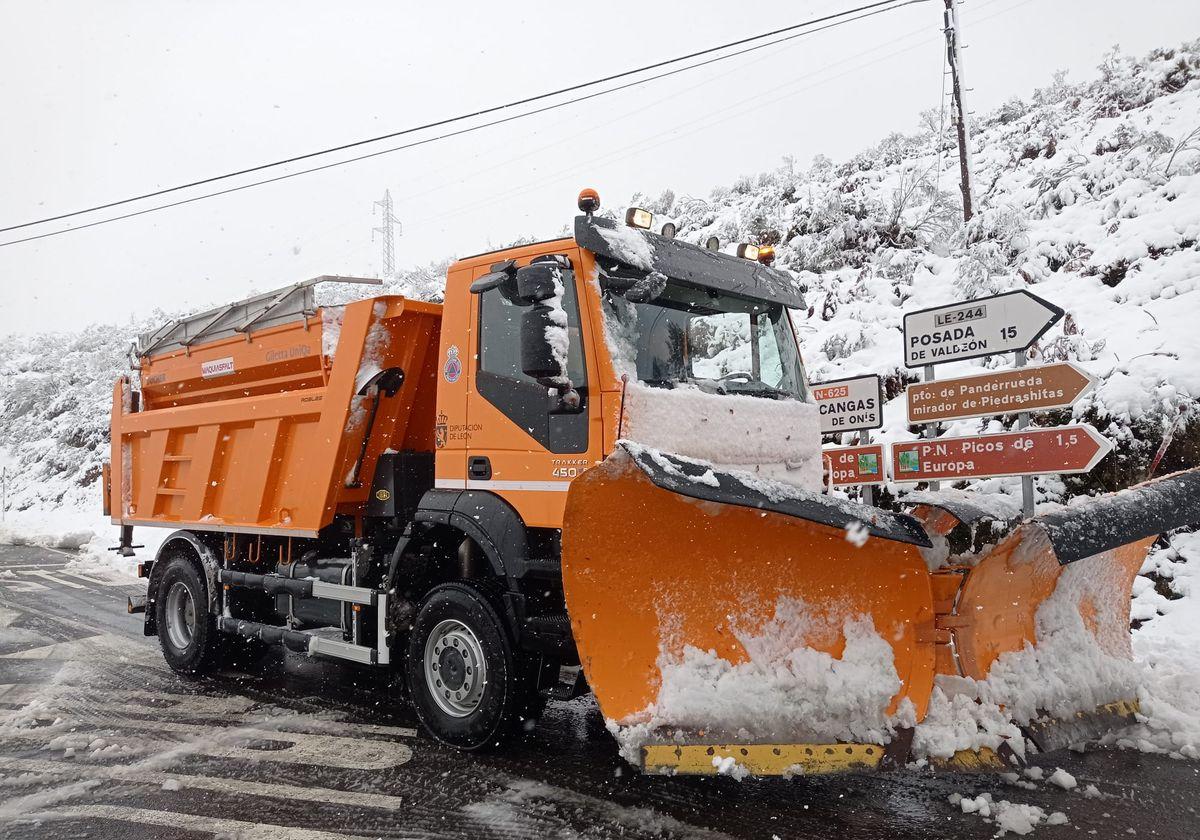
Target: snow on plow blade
point(721, 625)
point(1045, 615)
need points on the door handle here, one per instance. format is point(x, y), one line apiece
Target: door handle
point(479, 467)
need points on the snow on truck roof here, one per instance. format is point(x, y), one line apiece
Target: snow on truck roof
point(681, 261)
point(269, 309)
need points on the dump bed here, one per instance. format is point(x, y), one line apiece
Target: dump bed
point(253, 420)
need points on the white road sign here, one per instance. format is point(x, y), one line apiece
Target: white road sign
point(998, 324)
point(848, 405)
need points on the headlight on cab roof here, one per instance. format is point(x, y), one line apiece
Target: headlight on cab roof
point(639, 218)
point(747, 251)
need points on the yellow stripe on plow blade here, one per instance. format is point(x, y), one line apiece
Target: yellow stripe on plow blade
point(1058, 733)
point(984, 760)
point(761, 759)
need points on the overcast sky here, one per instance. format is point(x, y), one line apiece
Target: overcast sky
point(105, 100)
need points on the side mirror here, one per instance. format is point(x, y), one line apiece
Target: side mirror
point(538, 357)
point(502, 276)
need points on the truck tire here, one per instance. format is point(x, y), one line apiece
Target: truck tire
point(464, 678)
point(187, 631)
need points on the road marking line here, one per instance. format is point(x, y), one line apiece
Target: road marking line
point(4, 566)
point(50, 576)
point(217, 784)
point(100, 581)
point(90, 648)
point(14, 584)
point(179, 705)
point(193, 822)
point(222, 742)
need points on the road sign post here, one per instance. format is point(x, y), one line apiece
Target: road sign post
point(972, 329)
point(1058, 449)
point(861, 466)
point(931, 428)
point(849, 405)
point(1022, 389)
point(1023, 423)
point(1015, 391)
point(868, 490)
point(1004, 323)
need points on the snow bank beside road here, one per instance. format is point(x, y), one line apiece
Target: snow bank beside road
point(1168, 648)
point(81, 531)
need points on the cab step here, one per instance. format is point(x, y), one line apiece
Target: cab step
point(274, 584)
point(314, 642)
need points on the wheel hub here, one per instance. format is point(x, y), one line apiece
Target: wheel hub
point(455, 669)
point(181, 616)
point(452, 668)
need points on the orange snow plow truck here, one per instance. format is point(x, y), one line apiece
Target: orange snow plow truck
point(594, 467)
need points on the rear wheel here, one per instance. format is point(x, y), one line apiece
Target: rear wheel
point(187, 632)
point(464, 679)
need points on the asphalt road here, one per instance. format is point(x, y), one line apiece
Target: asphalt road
point(98, 739)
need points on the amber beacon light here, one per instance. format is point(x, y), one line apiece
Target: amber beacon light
point(589, 200)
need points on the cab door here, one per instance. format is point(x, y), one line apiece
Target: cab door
point(453, 384)
point(524, 444)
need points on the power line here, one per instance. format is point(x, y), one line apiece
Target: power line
point(724, 115)
point(672, 135)
point(871, 9)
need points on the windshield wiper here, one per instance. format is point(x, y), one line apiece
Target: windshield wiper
point(757, 389)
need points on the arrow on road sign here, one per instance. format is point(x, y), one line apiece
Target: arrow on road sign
point(971, 329)
point(1042, 388)
point(1061, 449)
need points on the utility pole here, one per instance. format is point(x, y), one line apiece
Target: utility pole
point(385, 231)
point(962, 121)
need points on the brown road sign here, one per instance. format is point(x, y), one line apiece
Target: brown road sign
point(1040, 388)
point(855, 464)
point(1060, 449)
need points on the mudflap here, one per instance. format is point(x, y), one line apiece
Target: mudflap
point(662, 556)
point(1084, 556)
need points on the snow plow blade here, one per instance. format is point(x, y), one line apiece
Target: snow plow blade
point(1063, 581)
point(1096, 548)
point(687, 586)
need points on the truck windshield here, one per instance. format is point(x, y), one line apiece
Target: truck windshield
point(717, 342)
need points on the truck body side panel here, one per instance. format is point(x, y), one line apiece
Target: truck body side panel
point(256, 433)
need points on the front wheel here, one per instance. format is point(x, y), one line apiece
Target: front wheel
point(187, 632)
point(463, 676)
